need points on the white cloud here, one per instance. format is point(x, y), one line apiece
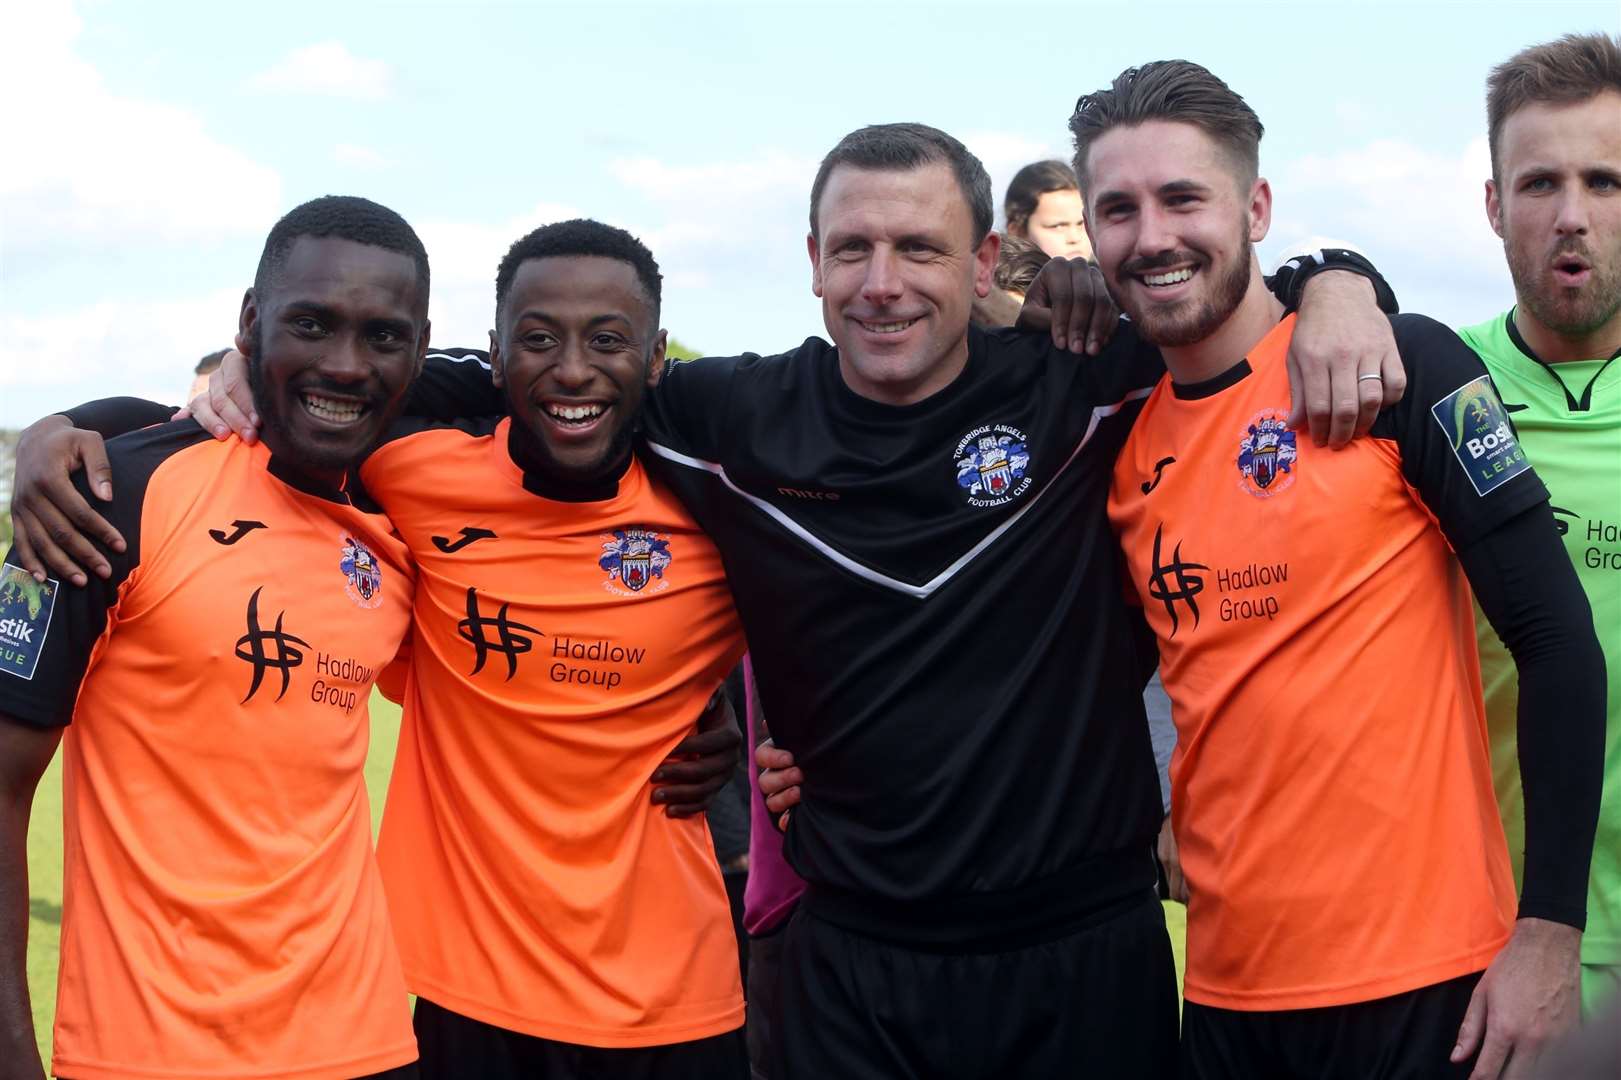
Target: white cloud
point(85, 166)
point(109, 348)
point(1003, 154)
point(463, 257)
point(327, 69)
point(1418, 213)
point(358, 157)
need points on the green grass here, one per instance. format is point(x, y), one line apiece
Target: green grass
point(45, 869)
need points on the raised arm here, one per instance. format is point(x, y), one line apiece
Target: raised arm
point(1343, 362)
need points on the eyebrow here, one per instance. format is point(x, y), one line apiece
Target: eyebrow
point(1170, 187)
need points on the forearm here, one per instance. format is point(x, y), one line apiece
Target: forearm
point(17, 1045)
point(1532, 598)
point(112, 416)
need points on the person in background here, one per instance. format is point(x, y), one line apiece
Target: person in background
point(1043, 205)
point(205, 367)
point(1017, 265)
point(1554, 120)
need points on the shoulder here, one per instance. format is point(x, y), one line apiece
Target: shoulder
point(179, 444)
point(456, 354)
point(1484, 336)
point(440, 432)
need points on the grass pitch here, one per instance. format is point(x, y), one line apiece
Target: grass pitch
point(45, 869)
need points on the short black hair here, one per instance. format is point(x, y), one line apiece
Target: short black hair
point(902, 147)
point(211, 361)
point(581, 236)
point(345, 217)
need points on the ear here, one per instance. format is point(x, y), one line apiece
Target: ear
point(655, 363)
point(1260, 209)
point(496, 375)
point(815, 251)
point(1494, 208)
point(422, 349)
point(985, 263)
point(244, 323)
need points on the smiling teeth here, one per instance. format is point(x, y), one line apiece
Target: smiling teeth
point(888, 327)
point(575, 412)
point(1172, 278)
point(337, 412)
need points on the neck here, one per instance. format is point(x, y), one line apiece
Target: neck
point(307, 474)
point(543, 477)
point(1554, 347)
point(1251, 320)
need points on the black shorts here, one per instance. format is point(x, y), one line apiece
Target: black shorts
point(456, 1047)
point(765, 975)
point(1099, 1002)
point(1394, 1038)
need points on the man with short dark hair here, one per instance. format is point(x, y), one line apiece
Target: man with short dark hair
point(223, 914)
point(571, 621)
point(1349, 882)
point(1554, 197)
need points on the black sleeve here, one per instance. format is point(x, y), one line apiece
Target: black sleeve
point(1288, 284)
point(112, 416)
point(687, 410)
point(47, 631)
point(1458, 449)
point(455, 384)
point(1529, 591)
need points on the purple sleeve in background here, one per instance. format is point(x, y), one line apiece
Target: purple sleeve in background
point(773, 888)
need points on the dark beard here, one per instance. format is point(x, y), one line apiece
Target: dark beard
point(1575, 316)
point(534, 456)
point(277, 435)
point(1175, 330)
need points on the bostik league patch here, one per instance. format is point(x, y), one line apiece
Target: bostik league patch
point(25, 619)
point(1481, 437)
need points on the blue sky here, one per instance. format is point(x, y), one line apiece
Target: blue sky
point(150, 145)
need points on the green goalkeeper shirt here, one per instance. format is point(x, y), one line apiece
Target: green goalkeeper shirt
point(1569, 421)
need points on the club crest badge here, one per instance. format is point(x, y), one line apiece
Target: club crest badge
point(635, 560)
point(1267, 455)
point(991, 465)
point(363, 577)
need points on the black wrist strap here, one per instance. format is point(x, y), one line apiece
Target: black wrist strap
point(1289, 283)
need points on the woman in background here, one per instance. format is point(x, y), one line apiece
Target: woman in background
point(1043, 206)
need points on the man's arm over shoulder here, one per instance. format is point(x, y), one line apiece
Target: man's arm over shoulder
point(49, 629)
point(688, 411)
point(455, 383)
point(1460, 452)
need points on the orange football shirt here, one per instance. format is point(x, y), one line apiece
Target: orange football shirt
point(222, 910)
point(560, 651)
point(1331, 786)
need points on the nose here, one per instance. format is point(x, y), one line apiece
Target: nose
point(1155, 232)
point(1573, 211)
point(347, 361)
point(574, 370)
point(882, 283)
